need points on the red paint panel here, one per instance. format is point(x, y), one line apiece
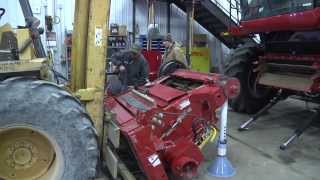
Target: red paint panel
point(145, 151)
point(122, 115)
point(300, 21)
point(154, 60)
point(165, 93)
point(196, 75)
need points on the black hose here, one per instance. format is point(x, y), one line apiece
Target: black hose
point(58, 75)
point(2, 12)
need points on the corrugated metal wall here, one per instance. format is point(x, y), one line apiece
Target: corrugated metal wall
point(121, 13)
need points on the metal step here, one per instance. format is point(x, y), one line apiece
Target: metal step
point(294, 82)
point(209, 15)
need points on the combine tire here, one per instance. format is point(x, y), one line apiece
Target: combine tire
point(45, 133)
point(253, 96)
point(169, 67)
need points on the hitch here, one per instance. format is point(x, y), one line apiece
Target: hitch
point(272, 102)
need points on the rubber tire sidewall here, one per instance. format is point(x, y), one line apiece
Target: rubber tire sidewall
point(46, 107)
point(163, 70)
point(240, 68)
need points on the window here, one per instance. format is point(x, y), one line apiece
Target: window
point(253, 9)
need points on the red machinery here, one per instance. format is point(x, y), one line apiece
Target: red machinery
point(284, 63)
point(165, 122)
point(154, 60)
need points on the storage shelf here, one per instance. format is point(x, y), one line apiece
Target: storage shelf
point(117, 35)
point(116, 47)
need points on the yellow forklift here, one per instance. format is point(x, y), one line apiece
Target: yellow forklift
point(45, 132)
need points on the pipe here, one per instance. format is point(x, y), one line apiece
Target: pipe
point(188, 35)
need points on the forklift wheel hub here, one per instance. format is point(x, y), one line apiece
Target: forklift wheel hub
point(22, 156)
point(26, 153)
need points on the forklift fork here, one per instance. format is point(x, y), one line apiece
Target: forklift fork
point(299, 131)
point(280, 96)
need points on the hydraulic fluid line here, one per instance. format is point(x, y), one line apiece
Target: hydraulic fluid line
point(210, 138)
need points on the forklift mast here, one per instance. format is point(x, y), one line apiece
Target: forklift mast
point(32, 23)
point(89, 56)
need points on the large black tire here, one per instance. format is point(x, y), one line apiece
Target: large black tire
point(253, 96)
point(48, 109)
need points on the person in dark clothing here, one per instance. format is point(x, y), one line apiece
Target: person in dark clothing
point(132, 67)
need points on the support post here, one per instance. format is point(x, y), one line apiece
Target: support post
point(134, 3)
point(96, 60)
point(221, 166)
point(272, 102)
point(189, 33)
point(79, 39)
point(298, 132)
point(169, 17)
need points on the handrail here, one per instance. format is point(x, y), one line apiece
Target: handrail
point(232, 5)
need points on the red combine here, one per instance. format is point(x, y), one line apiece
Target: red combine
point(164, 123)
point(286, 61)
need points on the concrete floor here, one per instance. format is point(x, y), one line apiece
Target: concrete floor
point(256, 154)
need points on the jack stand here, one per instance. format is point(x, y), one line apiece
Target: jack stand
point(298, 132)
point(222, 167)
point(255, 117)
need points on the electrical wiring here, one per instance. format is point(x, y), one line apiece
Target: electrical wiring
point(210, 138)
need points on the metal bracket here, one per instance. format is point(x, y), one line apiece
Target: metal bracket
point(113, 130)
point(86, 94)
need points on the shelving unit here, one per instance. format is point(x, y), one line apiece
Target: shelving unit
point(68, 47)
point(116, 43)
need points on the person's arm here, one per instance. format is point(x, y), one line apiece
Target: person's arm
point(144, 72)
point(145, 69)
point(179, 56)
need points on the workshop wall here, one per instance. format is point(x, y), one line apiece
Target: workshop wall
point(121, 13)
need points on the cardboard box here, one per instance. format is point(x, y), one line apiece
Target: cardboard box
point(200, 40)
point(123, 30)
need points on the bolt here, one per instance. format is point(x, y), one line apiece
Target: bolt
point(160, 115)
point(154, 119)
point(12, 165)
point(159, 122)
point(10, 150)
